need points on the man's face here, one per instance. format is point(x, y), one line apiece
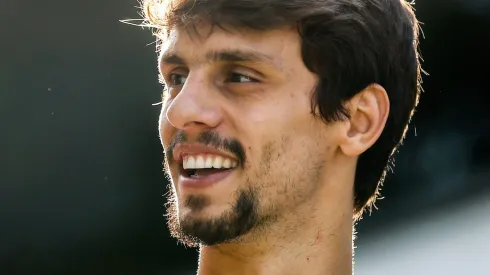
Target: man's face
point(242, 146)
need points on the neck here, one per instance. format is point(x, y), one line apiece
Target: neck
point(315, 238)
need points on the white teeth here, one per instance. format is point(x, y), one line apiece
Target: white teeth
point(190, 163)
point(208, 161)
point(218, 161)
point(200, 162)
point(227, 163)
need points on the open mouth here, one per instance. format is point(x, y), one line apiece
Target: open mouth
point(198, 166)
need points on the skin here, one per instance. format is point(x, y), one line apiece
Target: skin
point(301, 169)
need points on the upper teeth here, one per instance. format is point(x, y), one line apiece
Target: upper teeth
point(208, 161)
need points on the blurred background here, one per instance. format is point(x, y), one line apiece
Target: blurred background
point(81, 187)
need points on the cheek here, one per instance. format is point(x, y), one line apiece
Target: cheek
point(272, 140)
point(290, 171)
point(293, 147)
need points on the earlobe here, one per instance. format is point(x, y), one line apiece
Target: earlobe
point(368, 111)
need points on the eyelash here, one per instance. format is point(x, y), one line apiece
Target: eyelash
point(229, 76)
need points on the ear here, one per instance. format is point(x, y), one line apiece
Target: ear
point(368, 112)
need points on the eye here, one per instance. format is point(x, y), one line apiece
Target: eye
point(177, 80)
point(240, 78)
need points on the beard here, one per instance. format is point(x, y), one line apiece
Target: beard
point(228, 227)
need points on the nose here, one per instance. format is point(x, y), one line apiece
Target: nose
point(195, 107)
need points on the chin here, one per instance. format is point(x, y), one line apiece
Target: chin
point(201, 210)
point(200, 221)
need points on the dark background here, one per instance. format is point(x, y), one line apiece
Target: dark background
point(81, 187)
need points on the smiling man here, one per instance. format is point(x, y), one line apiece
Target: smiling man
point(279, 122)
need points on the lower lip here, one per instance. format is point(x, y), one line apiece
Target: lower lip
point(206, 181)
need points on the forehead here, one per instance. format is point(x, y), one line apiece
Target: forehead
point(277, 47)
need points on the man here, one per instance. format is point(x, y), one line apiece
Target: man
point(279, 122)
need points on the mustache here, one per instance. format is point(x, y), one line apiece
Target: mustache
point(211, 139)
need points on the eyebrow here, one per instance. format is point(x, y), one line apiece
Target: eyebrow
point(230, 55)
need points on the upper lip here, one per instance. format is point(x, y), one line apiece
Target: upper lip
point(194, 148)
